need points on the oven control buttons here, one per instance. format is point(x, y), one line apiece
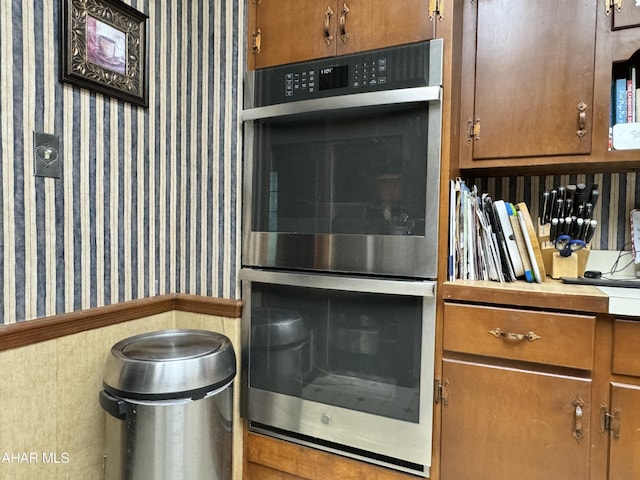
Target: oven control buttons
point(325, 418)
point(370, 73)
point(299, 81)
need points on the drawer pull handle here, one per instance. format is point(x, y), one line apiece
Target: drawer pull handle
point(514, 337)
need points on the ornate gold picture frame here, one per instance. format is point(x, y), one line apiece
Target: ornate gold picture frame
point(104, 48)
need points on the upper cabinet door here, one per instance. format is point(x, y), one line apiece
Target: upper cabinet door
point(288, 31)
point(372, 24)
point(294, 31)
point(628, 16)
point(528, 77)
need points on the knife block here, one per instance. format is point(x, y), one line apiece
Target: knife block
point(543, 232)
point(558, 266)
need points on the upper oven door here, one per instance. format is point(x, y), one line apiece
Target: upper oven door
point(345, 184)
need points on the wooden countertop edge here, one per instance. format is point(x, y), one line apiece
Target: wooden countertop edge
point(551, 294)
point(48, 328)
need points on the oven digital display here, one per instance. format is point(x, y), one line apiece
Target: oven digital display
point(333, 77)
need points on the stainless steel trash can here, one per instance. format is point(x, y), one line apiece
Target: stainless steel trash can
point(169, 402)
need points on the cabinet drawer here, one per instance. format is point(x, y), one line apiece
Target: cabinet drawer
point(626, 342)
point(541, 337)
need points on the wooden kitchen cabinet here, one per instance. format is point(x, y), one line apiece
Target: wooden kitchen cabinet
point(618, 49)
point(287, 31)
point(504, 423)
point(624, 426)
point(626, 16)
point(621, 417)
point(536, 84)
point(516, 393)
point(527, 71)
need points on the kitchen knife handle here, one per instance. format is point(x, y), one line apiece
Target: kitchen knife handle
point(593, 198)
point(580, 195)
point(553, 231)
point(546, 211)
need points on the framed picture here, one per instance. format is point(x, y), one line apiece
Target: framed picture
point(104, 48)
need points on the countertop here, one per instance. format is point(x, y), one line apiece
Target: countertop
point(550, 294)
point(554, 294)
point(623, 301)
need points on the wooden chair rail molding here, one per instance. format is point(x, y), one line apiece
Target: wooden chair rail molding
point(33, 331)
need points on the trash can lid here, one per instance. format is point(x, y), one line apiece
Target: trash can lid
point(169, 364)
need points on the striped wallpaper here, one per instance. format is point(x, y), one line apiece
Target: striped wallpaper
point(147, 202)
point(619, 194)
point(148, 199)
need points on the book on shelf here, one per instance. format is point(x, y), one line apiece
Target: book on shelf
point(531, 241)
point(502, 215)
point(520, 243)
point(491, 258)
point(631, 96)
point(624, 131)
point(620, 101)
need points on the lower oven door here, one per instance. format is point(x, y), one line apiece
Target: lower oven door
point(341, 363)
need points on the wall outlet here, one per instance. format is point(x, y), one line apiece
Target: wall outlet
point(46, 153)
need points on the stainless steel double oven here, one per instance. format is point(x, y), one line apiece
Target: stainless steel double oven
point(341, 191)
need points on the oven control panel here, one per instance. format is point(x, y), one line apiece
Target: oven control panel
point(359, 75)
point(386, 69)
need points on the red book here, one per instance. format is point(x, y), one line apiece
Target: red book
point(630, 101)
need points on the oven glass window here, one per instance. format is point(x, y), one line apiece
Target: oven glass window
point(354, 172)
point(359, 351)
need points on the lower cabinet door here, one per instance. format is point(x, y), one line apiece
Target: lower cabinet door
point(624, 463)
point(508, 424)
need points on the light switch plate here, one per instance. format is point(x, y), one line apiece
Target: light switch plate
point(46, 153)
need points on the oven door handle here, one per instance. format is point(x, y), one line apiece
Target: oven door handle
point(414, 288)
point(356, 100)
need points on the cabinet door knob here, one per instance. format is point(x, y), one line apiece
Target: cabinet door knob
point(327, 26)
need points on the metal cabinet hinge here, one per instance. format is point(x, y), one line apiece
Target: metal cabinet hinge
point(473, 129)
point(440, 393)
point(609, 4)
point(257, 42)
point(610, 421)
point(436, 8)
